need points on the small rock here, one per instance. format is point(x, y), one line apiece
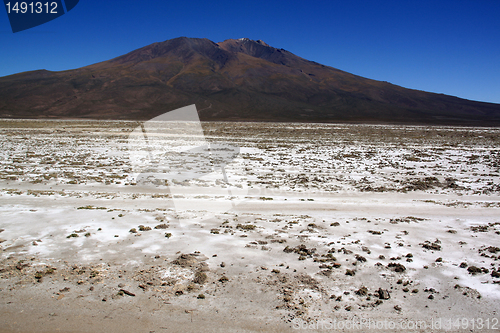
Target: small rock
point(363, 291)
point(126, 292)
point(383, 293)
point(474, 270)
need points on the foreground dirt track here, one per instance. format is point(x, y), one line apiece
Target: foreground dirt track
point(317, 224)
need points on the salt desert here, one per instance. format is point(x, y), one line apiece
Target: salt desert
point(309, 224)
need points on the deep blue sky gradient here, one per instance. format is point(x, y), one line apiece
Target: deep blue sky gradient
point(450, 47)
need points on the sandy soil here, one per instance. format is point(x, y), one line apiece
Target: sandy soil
point(309, 226)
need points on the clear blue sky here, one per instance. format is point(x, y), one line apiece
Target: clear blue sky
point(450, 47)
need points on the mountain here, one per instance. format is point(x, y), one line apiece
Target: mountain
point(238, 79)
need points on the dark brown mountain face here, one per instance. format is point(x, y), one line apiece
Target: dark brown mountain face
point(239, 79)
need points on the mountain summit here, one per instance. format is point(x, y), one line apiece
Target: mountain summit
point(237, 79)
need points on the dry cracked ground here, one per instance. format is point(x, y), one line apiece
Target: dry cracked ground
point(306, 226)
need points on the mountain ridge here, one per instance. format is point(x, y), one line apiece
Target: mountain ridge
point(237, 79)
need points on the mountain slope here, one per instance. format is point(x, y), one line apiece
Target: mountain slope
point(232, 80)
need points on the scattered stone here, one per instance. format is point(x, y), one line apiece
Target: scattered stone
point(479, 228)
point(383, 294)
point(434, 246)
point(396, 267)
point(363, 291)
point(200, 277)
point(300, 249)
point(126, 292)
point(245, 226)
point(187, 260)
point(474, 270)
point(493, 249)
point(360, 258)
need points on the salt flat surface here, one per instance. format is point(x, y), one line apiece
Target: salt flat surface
point(290, 232)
